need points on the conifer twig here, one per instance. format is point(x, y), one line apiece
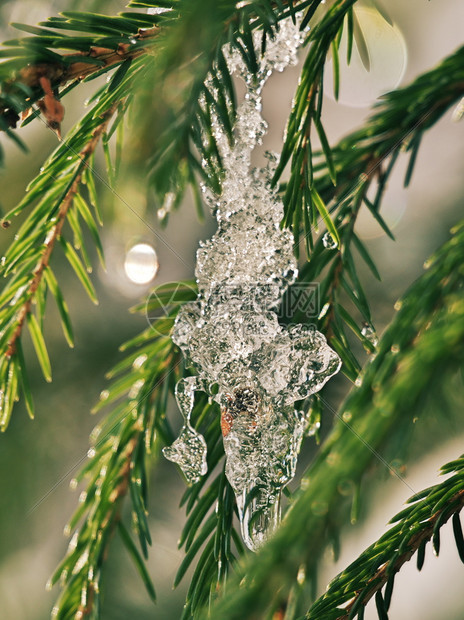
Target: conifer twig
point(55, 232)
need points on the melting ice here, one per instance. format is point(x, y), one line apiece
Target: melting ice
point(231, 334)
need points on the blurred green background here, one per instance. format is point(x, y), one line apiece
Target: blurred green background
point(39, 458)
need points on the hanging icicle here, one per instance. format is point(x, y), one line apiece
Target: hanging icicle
point(231, 334)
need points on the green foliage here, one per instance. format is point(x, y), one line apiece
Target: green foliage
point(116, 467)
point(421, 522)
point(419, 350)
point(171, 76)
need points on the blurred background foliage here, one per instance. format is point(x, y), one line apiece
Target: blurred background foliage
point(38, 458)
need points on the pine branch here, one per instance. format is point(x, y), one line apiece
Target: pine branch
point(116, 471)
point(26, 263)
point(364, 161)
point(423, 345)
point(301, 199)
point(55, 232)
point(364, 579)
point(39, 71)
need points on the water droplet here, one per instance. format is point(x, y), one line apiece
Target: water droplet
point(91, 453)
point(139, 361)
point(328, 241)
point(347, 416)
point(398, 467)
point(301, 576)
point(324, 310)
point(104, 395)
point(333, 458)
point(158, 10)
point(395, 348)
point(189, 452)
point(189, 449)
point(358, 382)
point(134, 391)
point(346, 487)
point(458, 111)
point(320, 508)
point(141, 264)
point(398, 305)
point(370, 334)
point(73, 483)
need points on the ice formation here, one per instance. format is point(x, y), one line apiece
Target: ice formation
point(231, 334)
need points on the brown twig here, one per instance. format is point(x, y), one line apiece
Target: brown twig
point(59, 74)
point(382, 575)
point(112, 516)
point(55, 232)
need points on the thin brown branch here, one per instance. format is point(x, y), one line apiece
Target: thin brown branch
point(382, 575)
point(55, 232)
point(112, 516)
point(59, 74)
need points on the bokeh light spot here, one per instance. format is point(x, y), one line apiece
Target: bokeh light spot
point(387, 51)
point(141, 264)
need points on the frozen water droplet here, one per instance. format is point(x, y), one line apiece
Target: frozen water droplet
point(427, 264)
point(189, 452)
point(231, 334)
point(135, 389)
point(458, 111)
point(261, 445)
point(157, 10)
point(370, 334)
point(328, 241)
point(139, 361)
point(189, 449)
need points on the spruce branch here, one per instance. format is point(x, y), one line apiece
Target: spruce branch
point(122, 444)
point(364, 161)
point(39, 72)
point(422, 346)
point(26, 264)
point(419, 523)
point(55, 232)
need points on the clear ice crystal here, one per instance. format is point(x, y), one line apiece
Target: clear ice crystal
point(231, 334)
point(189, 449)
point(368, 331)
point(328, 241)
